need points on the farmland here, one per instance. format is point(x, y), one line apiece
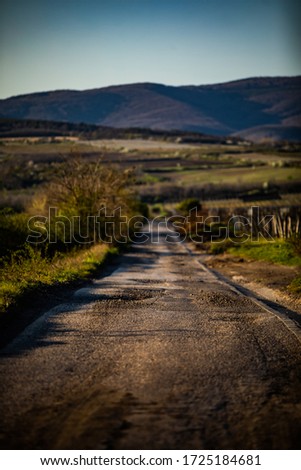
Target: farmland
point(214, 171)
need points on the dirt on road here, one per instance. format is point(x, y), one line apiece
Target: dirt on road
point(160, 354)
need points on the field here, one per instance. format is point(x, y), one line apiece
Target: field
point(187, 165)
point(213, 170)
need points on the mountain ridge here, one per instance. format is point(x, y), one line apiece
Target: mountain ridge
point(258, 104)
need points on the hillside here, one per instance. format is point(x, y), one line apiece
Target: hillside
point(256, 108)
point(12, 128)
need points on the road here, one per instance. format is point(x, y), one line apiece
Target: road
point(160, 354)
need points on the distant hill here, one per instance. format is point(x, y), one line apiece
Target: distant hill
point(256, 108)
point(10, 127)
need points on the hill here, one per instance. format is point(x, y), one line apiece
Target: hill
point(12, 128)
point(256, 108)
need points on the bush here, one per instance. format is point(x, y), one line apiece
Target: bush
point(78, 193)
point(82, 191)
point(187, 205)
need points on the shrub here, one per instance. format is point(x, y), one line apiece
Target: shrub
point(83, 190)
point(187, 205)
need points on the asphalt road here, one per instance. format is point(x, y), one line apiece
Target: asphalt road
point(158, 355)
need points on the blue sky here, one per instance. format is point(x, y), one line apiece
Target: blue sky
point(82, 44)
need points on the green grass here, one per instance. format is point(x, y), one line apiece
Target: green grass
point(29, 271)
point(279, 252)
point(237, 175)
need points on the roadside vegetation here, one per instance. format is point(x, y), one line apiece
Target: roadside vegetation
point(263, 233)
point(28, 271)
point(281, 251)
point(277, 251)
point(39, 247)
point(284, 252)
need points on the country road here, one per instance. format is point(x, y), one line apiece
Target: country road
point(160, 354)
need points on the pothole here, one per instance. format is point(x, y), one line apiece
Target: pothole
point(228, 300)
point(149, 281)
point(129, 297)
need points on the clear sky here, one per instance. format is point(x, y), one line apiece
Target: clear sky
point(82, 44)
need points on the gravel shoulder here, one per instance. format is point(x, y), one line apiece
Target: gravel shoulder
point(268, 280)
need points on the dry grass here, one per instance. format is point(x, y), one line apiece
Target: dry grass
point(27, 274)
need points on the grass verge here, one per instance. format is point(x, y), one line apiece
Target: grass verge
point(279, 252)
point(28, 274)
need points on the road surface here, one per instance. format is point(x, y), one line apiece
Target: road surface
point(158, 355)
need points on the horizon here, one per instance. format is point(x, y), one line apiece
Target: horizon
point(72, 45)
